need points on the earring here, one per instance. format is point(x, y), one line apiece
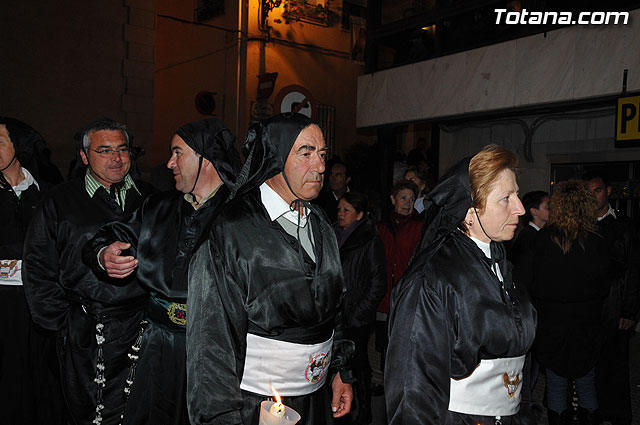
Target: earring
point(470, 223)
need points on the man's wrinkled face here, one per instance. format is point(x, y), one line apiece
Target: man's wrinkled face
point(338, 179)
point(7, 151)
point(305, 163)
point(601, 194)
point(183, 163)
point(108, 156)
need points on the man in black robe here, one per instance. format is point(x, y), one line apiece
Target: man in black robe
point(159, 240)
point(265, 290)
point(96, 322)
point(28, 366)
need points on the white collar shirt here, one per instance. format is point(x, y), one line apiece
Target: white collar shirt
point(610, 211)
point(278, 207)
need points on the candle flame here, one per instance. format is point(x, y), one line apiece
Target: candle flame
point(276, 395)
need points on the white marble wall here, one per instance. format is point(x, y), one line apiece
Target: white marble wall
point(567, 64)
point(556, 141)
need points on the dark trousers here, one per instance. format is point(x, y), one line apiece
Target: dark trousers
point(612, 379)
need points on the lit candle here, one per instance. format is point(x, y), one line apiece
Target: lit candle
point(277, 413)
point(277, 409)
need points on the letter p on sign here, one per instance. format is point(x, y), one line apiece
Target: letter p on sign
point(628, 121)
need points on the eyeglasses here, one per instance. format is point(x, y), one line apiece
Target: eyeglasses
point(108, 153)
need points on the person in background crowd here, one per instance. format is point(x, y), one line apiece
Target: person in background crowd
point(157, 242)
point(339, 179)
point(364, 270)
point(621, 305)
point(400, 235)
point(420, 178)
point(97, 323)
point(459, 328)
point(568, 267)
point(29, 393)
point(536, 215)
point(266, 289)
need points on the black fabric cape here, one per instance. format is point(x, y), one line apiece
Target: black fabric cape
point(449, 312)
point(66, 297)
point(247, 277)
point(164, 233)
point(29, 393)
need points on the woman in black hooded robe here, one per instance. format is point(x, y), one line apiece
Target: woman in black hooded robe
point(459, 327)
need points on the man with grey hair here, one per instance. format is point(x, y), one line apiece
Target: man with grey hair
point(97, 323)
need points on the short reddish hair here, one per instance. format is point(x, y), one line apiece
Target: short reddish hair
point(484, 169)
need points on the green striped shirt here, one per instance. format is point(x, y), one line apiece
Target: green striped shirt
point(91, 184)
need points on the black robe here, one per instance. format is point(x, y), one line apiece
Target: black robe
point(29, 393)
point(247, 278)
point(164, 233)
point(449, 312)
point(66, 297)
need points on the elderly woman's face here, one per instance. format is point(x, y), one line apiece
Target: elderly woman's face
point(500, 216)
point(403, 202)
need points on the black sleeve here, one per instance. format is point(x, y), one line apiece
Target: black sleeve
point(127, 230)
point(45, 296)
point(418, 365)
point(216, 339)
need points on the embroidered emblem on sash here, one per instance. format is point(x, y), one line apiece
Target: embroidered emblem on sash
point(177, 313)
point(510, 385)
point(316, 367)
point(8, 268)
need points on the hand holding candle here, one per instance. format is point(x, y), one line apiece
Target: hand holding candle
point(277, 413)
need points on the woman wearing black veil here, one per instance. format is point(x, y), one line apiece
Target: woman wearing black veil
point(459, 326)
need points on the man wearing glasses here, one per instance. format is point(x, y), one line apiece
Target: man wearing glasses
point(97, 323)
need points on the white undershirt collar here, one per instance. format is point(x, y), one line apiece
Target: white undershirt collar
point(25, 183)
point(278, 207)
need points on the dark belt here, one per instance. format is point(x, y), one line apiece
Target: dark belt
point(96, 309)
point(170, 315)
point(299, 334)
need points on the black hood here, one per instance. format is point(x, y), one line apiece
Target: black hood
point(31, 150)
point(214, 141)
point(446, 205)
point(267, 147)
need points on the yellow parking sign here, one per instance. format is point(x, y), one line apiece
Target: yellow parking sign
point(628, 120)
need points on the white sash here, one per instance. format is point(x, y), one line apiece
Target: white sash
point(493, 389)
point(11, 272)
point(293, 369)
